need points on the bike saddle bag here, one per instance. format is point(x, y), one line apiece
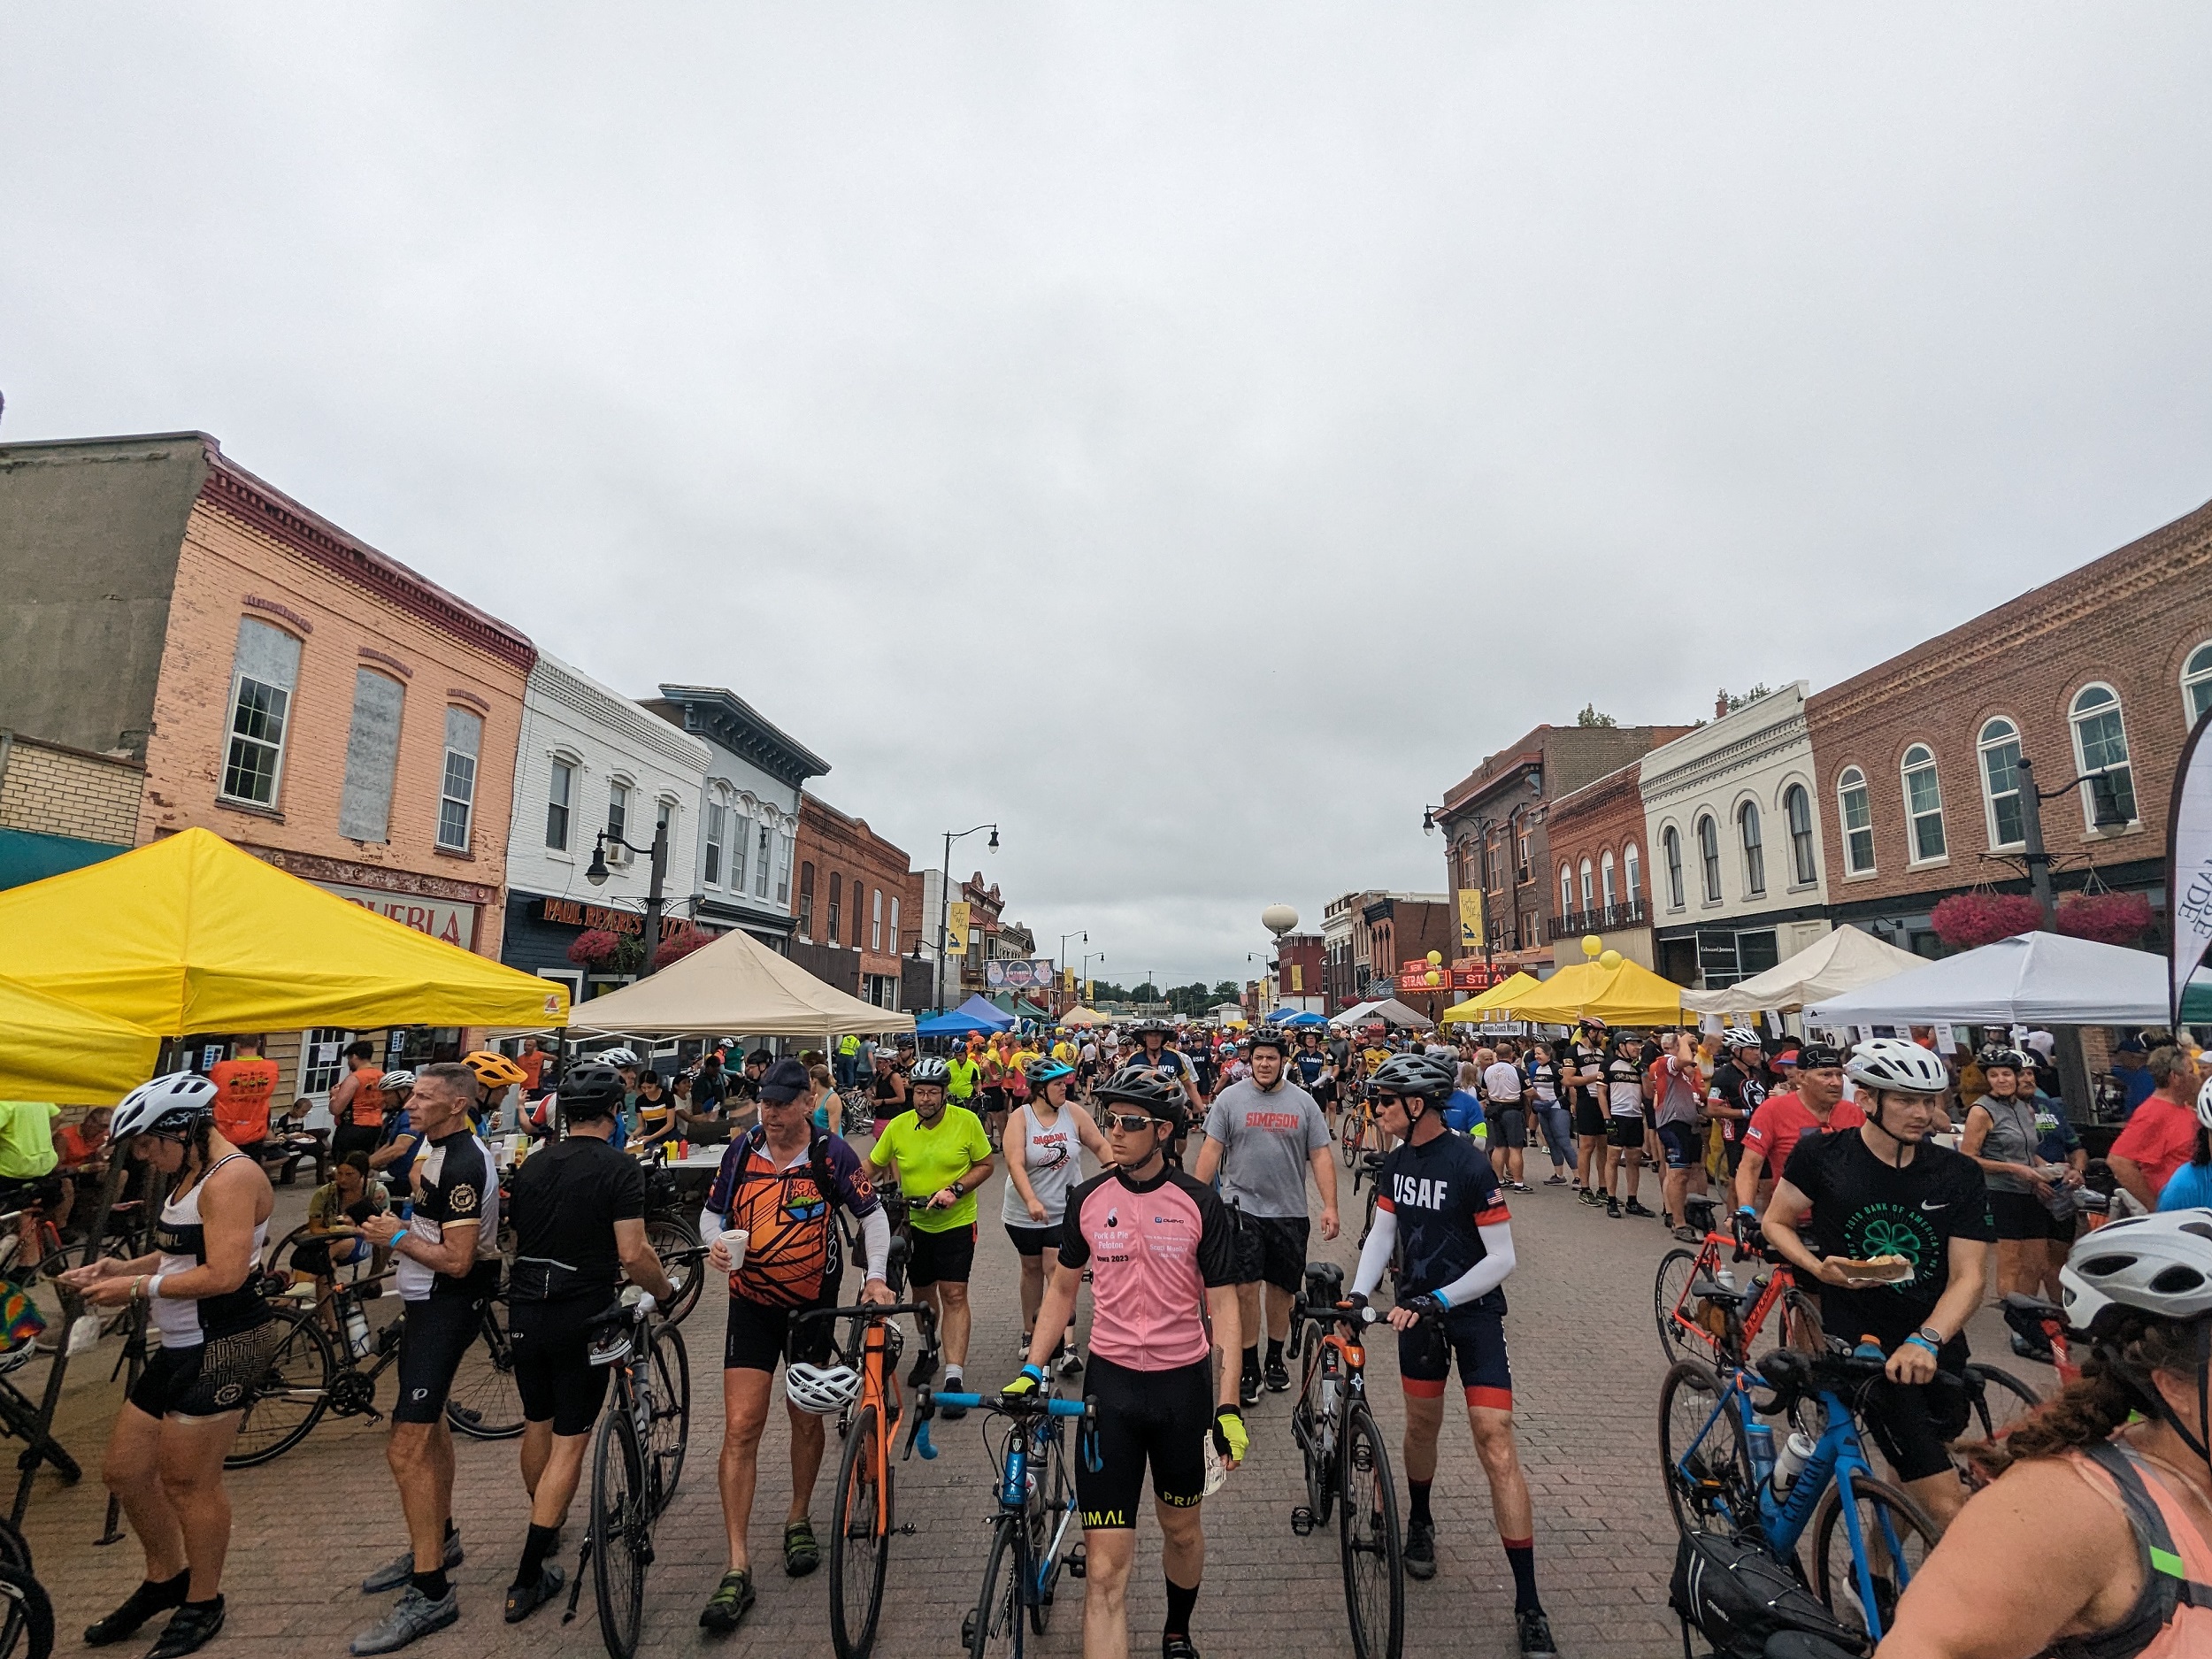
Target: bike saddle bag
point(1739, 1598)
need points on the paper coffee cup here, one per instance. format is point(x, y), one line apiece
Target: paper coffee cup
point(734, 1241)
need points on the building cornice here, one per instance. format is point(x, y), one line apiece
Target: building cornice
point(721, 716)
point(1746, 754)
point(585, 697)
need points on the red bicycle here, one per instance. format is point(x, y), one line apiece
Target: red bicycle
point(1703, 1310)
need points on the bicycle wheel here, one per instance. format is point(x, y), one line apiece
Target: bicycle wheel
point(1349, 1138)
point(676, 1242)
point(483, 1402)
point(26, 1616)
point(1374, 1571)
point(994, 1631)
point(1996, 1401)
point(1313, 1424)
point(621, 1534)
point(1677, 1268)
point(672, 1413)
point(860, 1540)
point(1899, 1536)
point(1702, 1457)
point(292, 1394)
point(1051, 1503)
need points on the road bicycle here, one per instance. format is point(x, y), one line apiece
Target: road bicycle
point(1703, 1313)
point(1036, 1510)
point(1347, 1465)
point(1869, 1537)
point(861, 1515)
point(635, 1464)
point(27, 1614)
point(1358, 1133)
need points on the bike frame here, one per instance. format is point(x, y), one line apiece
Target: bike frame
point(1780, 1282)
point(879, 1384)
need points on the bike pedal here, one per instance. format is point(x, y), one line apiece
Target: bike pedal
point(1302, 1521)
point(967, 1630)
point(1077, 1563)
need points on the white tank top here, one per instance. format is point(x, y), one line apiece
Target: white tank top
point(1051, 1158)
point(181, 1242)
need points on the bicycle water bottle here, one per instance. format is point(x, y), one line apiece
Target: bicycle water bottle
point(357, 1337)
point(1868, 1348)
point(1759, 1441)
point(1790, 1462)
point(1724, 1276)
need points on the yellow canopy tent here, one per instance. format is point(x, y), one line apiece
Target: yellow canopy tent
point(191, 934)
point(62, 1052)
point(1496, 999)
point(1627, 994)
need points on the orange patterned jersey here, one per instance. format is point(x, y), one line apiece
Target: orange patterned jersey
point(791, 1246)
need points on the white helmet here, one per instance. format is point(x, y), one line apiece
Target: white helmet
point(2204, 1103)
point(2158, 1265)
point(170, 1103)
point(621, 1059)
point(1900, 1067)
point(822, 1390)
point(397, 1082)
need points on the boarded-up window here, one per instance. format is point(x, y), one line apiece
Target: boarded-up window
point(364, 811)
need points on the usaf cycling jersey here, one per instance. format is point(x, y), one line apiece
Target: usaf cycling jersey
point(1154, 1250)
point(1442, 1194)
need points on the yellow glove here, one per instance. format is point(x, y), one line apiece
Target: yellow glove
point(1026, 1385)
point(1230, 1440)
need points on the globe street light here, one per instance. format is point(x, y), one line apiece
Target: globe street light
point(595, 872)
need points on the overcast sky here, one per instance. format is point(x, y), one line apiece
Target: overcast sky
point(1191, 436)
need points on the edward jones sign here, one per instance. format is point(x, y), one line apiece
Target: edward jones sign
point(441, 918)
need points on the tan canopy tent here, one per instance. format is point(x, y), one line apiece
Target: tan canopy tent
point(735, 984)
point(1842, 959)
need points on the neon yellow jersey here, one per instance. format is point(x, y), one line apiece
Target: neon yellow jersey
point(932, 1159)
point(961, 1076)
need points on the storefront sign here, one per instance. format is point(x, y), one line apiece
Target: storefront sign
point(626, 924)
point(1018, 974)
point(441, 918)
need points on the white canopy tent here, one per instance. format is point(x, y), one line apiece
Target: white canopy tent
point(1842, 959)
point(734, 984)
point(1388, 1011)
point(2029, 979)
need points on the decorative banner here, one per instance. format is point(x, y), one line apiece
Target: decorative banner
point(2189, 861)
point(1020, 974)
point(1472, 933)
point(957, 923)
point(1067, 978)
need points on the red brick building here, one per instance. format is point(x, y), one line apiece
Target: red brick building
point(1302, 973)
point(858, 900)
point(1596, 836)
point(2103, 669)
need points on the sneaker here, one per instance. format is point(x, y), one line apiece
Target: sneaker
point(412, 1616)
point(142, 1603)
point(398, 1570)
point(1023, 1351)
point(1278, 1378)
point(1071, 1362)
point(1613, 1208)
point(1588, 1195)
point(732, 1599)
point(1176, 1647)
point(189, 1630)
point(1419, 1554)
point(1555, 1180)
point(1535, 1633)
point(1635, 1209)
point(1249, 1386)
point(525, 1599)
point(1522, 1186)
point(1688, 1235)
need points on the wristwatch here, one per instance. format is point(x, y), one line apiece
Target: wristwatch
point(1928, 1333)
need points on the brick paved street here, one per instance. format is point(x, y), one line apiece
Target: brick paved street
point(1587, 1370)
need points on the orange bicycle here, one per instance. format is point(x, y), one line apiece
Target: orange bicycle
point(1703, 1313)
point(861, 1519)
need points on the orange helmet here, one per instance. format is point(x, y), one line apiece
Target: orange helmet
point(493, 1069)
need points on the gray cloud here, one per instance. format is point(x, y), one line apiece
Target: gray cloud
point(1192, 437)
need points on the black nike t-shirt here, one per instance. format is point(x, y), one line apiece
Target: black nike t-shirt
point(1863, 1207)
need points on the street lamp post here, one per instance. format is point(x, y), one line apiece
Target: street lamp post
point(1080, 933)
point(944, 899)
point(595, 872)
point(1083, 975)
point(2073, 1065)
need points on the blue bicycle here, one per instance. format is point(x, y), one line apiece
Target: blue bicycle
point(1722, 1475)
point(1036, 1509)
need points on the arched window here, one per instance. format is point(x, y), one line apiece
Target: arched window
point(1671, 846)
point(1709, 857)
point(1633, 867)
point(1797, 807)
point(1858, 821)
point(1586, 885)
point(1923, 804)
point(1605, 879)
point(2196, 683)
point(1999, 747)
point(1566, 891)
point(1755, 852)
point(2100, 745)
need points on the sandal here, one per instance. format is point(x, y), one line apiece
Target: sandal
point(525, 1599)
point(801, 1554)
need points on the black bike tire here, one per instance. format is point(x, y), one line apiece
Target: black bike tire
point(1981, 1422)
point(670, 1363)
point(15, 1549)
point(1002, 1575)
point(1734, 1481)
point(489, 1361)
point(671, 1235)
point(1359, 1423)
point(865, 1427)
point(1320, 1471)
point(1677, 1268)
point(26, 1622)
point(1055, 1485)
point(1349, 1137)
point(618, 1565)
point(307, 1329)
point(1827, 1517)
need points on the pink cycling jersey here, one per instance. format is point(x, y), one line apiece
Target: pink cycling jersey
point(1154, 1248)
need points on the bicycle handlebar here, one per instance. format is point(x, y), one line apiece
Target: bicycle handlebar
point(1036, 1405)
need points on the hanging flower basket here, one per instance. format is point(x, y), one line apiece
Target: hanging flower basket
point(594, 949)
point(680, 944)
point(1966, 921)
point(2111, 919)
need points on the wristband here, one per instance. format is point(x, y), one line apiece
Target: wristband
point(1036, 1373)
point(153, 1287)
point(1920, 1341)
point(392, 1243)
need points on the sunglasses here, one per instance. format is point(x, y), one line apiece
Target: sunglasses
point(1131, 1123)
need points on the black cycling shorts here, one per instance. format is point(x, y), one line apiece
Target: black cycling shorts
point(433, 1335)
point(2019, 1216)
point(1589, 1117)
point(1475, 1334)
point(1034, 1240)
point(756, 1333)
point(1508, 1127)
point(1913, 1424)
point(1681, 1144)
point(1160, 1417)
point(1272, 1250)
point(553, 1370)
point(1624, 1132)
point(936, 1257)
point(216, 1377)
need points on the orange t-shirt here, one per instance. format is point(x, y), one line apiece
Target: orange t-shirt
point(533, 1065)
point(367, 1104)
point(243, 1089)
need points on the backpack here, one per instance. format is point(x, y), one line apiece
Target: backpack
point(816, 1160)
point(1738, 1595)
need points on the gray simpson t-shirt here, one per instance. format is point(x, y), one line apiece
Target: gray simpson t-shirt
point(1266, 1141)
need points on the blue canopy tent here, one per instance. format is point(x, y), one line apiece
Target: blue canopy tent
point(1287, 1017)
point(972, 1015)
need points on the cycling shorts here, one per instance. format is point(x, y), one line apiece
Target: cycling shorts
point(1476, 1335)
point(1681, 1143)
point(1624, 1132)
point(1913, 1424)
point(1272, 1250)
point(212, 1377)
point(1034, 1240)
point(1508, 1127)
point(435, 1332)
point(757, 1332)
point(1589, 1117)
point(1160, 1417)
point(2019, 1216)
point(940, 1256)
point(553, 1370)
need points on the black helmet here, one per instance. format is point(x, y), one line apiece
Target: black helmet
point(591, 1091)
point(1997, 1054)
point(1272, 1037)
point(1815, 1056)
point(1155, 1091)
point(1430, 1076)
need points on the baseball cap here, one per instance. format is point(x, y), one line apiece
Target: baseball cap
point(787, 1080)
point(1788, 1057)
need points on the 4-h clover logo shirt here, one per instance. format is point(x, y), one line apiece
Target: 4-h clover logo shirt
point(1864, 1207)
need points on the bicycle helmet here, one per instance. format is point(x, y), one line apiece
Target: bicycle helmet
point(622, 1059)
point(1890, 1064)
point(2160, 1264)
point(824, 1390)
point(1271, 1037)
point(592, 1090)
point(2204, 1103)
point(170, 1104)
point(397, 1082)
point(1045, 1069)
point(493, 1069)
point(1430, 1076)
point(1157, 1091)
point(2000, 1055)
point(930, 1070)
point(1740, 1037)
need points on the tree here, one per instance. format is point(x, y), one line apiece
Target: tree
point(1749, 698)
point(1591, 717)
point(1227, 991)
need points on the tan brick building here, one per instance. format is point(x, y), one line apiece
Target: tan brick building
point(2103, 669)
point(62, 808)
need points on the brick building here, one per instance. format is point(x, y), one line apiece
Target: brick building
point(1596, 837)
point(1346, 967)
point(1301, 971)
point(858, 898)
point(2103, 669)
point(1404, 927)
point(63, 808)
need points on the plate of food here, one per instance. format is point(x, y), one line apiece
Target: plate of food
point(1875, 1269)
